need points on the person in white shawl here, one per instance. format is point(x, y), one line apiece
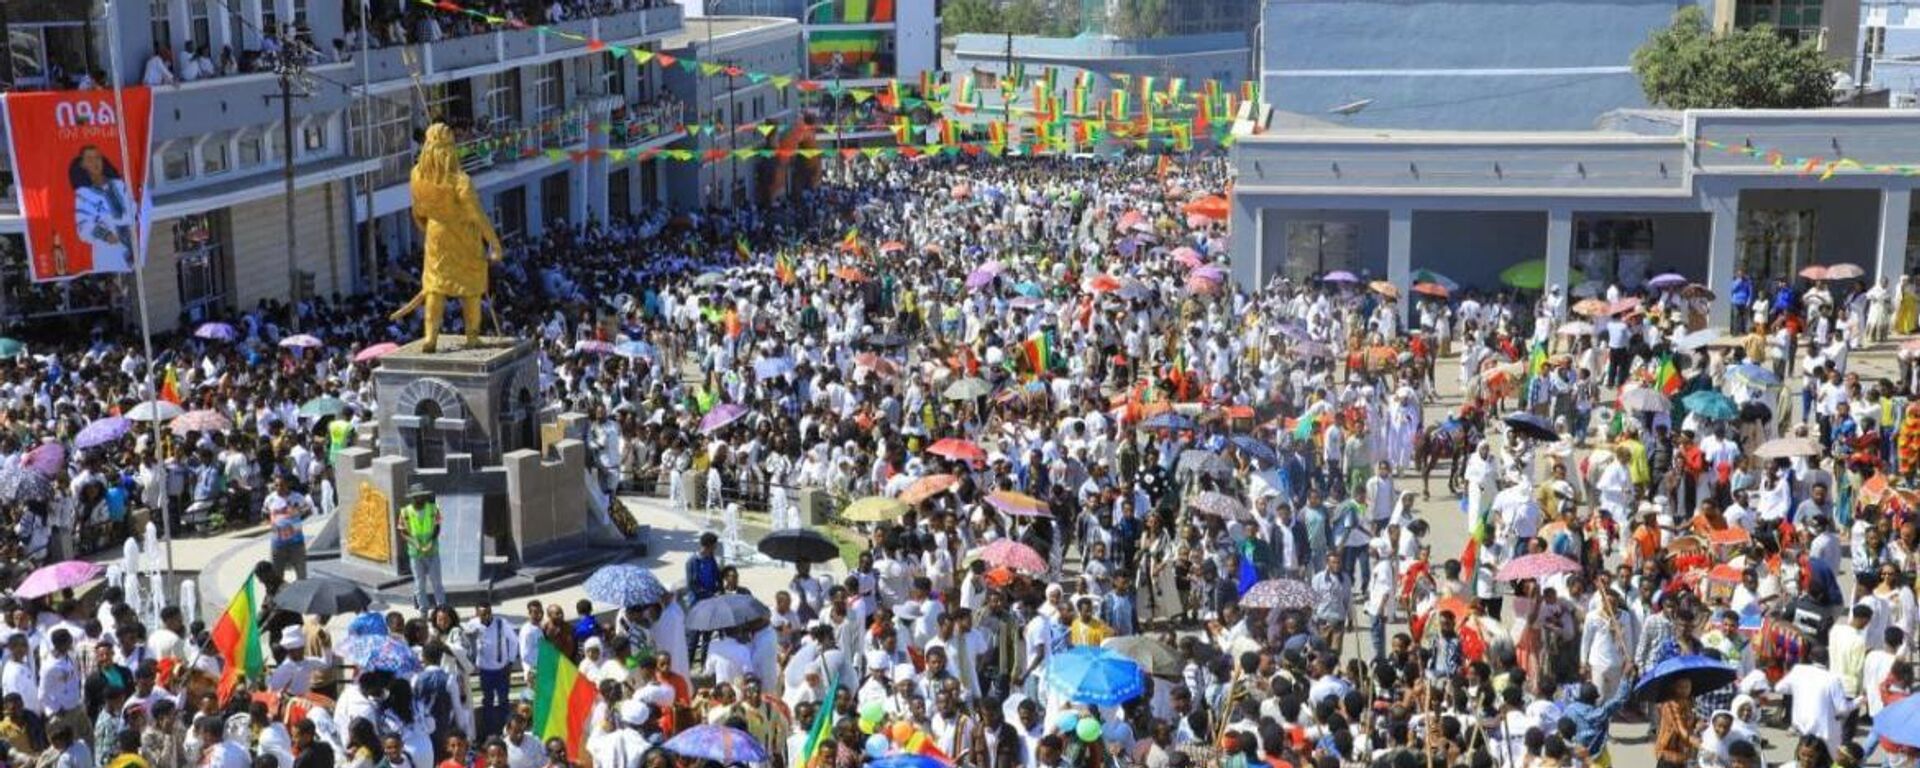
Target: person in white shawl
point(104, 212)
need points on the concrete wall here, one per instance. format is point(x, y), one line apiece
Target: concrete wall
point(1222, 56)
point(1457, 64)
point(257, 241)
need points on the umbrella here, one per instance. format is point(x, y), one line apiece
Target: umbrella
point(710, 279)
point(624, 585)
point(216, 332)
point(957, 449)
point(1644, 399)
point(19, 484)
point(593, 347)
point(1098, 284)
point(719, 743)
point(1150, 653)
point(1753, 375)
point(874, 362)
point(1218, 505)
point(1203, 462)
point(892, 246)
point(721, 415)
point(1535, 566)
point(722, 612)
point(1188, 257)
point(1279, 593)
point(1531, 275)
point(53, 578)
point(969, 388)
point(771, 368)
point(1254, 449)
point(984, 274)
point(1624, 306)
point(928, 487)
point(1698, 339)
point(885, 340)
point(1845, 271)
point(1209, 273)
point(389, 655)
point(799, 545)
point(1711, 405)
point(875, 509)
point(1168, 420)
point(202, 420)
point(1211, 206)
point(1430, 276)
point(1668, 280)
point(1707, 675)
point(367, 625)
point(1310, 348)
point(324, 405)
point(1899, 723)
point(1029, 302)
point(1198, 220)
point(1095, 676)
point(1017, 504)
point(102, 431)
point(1434, 290)
point(1815, 272)
point(1340, 276)
point(155, 410)
point(11, 348)
point(46, 458)
point(323, 596)
point(301, 341)
point(1575, 328)
point(633, 349)
point(850, 274)
point(1029, 288)
point(1590, 307)
point(1531, 425)
point(1384, 288)
point(1012, 554)
point(375, 352)
point(1786, 448)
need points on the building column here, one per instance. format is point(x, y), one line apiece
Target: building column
point(1243, 244)
point(536, 213)
point(1400, 257)
point(1723, 250)
point(1560, 250)
point(1895, 207)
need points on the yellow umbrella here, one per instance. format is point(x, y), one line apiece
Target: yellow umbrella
point(874, 509)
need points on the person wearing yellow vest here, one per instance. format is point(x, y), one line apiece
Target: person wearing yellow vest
point(419, 527)
point(339, 436)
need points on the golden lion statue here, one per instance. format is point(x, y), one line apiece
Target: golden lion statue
point(460, 239)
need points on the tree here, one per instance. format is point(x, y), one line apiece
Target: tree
point(1686, 66)
point(997, 17)
point(1137, 18)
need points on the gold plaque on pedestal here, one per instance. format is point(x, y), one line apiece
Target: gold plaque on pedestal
point(369, 532)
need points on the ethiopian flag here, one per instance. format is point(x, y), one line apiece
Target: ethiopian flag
point(1668, 377)
point(851, 240)
point(170, 386)
point(740, 248)
point(783, 269)
point(237, 636)
point(562, 699)
point(818, 733)
point(1037, 351)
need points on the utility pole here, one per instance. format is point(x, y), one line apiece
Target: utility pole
point(1007, 93)
point(291, 65)
point(369, 258)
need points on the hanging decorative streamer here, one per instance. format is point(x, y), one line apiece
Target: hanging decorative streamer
point(1823, 168)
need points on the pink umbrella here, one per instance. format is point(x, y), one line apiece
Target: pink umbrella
point(202, 420)
point(1202, 285)
point(1535, 566)
point(56, 577)
point(47, 459)
point(1198, 220)
point(301, 341)
point(1017, 504)
point(594, 347)
point(985, 273)
point(1188, 257)
point(721, 415)
point(1129, 219)
point(962, 191)
point(957, 449)
point(1012, 554)
point(376, 352)
point(1213, 273)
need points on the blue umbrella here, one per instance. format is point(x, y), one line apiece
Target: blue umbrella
point(908, 761)
point(718, 743)
point(1898, 723)
point(634, 348)
point(389, 655)
point(1167, 420)
point(624, 585)
point(102, 431)
point(1254, 449)
point(772, 367)
point(1711, 405)
point(1090, 675)
point(1753, 375)
point(1029, 288)
point(368, 624)
point(216, 332)
point(1706, 674)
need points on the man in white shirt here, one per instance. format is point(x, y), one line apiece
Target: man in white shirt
point(158, 71)
point(1820, 701)
point(295, 674)
point(530, 636)
point(1879, 665)
point(728, 659)
point(495, 650)
point(17, 675)
point(60, 686)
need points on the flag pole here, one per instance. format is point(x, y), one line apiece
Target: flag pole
point(139, 268)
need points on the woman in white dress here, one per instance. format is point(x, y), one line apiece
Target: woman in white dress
point(103, 212)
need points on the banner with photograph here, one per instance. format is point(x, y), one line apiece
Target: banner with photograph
point(81, 199)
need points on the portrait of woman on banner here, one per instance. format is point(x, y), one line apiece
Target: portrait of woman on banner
point(103, 210)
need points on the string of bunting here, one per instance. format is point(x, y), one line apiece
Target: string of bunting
point(1823, 168)
point(1209, 108)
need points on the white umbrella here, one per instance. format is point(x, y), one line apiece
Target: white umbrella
point(154, 410)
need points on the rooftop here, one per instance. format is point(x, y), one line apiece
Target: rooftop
point(704, 29)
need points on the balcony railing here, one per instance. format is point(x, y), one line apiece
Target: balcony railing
point(641, 124)
point(465, 43)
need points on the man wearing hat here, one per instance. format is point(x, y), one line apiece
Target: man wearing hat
point(419, 527)
point(294, 676)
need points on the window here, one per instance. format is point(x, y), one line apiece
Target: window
point(510, 212)
point(200, 25)
point(214, 157)
point(314, 136)
point(502, 91)
point(269, 16)
point(161, 22)
point(1314, 247)
point(250, 150)
point(29, 52)
point(300, 16)
point(1797, 20)
point(176, 162)
point(612, 75)
point(555, 193)
point(546, 89)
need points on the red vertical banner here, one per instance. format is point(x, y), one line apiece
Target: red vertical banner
point(82, 200)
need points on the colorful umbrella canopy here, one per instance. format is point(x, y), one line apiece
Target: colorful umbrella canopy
point(1012, 554)
point(1899, 723)
point(1590, 307)
point(1167, 420)
point(52, 578)
point(1149, 652)
point(1706, 674)
point(1535, 566)
point(216, 332)
point(634, 349)
point(324, 405)
point(875, 509)
point(957, 449)
point(1531, 275)
point(624, 585)
point(1384, 288)
point(11, 348)
point(969, 388)
point(102, 431)
point(1786, 448)
point(721, 416)
point(46, 458)
point(1218, 505)
point(719, 743)
point(1212, 206)
point(1094, 676)
point(1711, 405)
point(203, 420)
point(374, 352)
point(1017, 504)
point(1434, 290)
point(1815, 272)
point(18, 484)
point(1666, 281)
point(1845, 271)
point(928, 487)
point(1285, 594)
point(1254, 449)
point(1340, 276)
point(389, 655)
point(1753, 375)
point(593, 347)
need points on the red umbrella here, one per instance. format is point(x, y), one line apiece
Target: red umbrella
point(850, 275)
point(957, 449)
point(928, 487)
point(1535, 566)
point(892, 245)
point(1102, 284)
point(1435, 290)
point(1012, 554)
point(1211, 206)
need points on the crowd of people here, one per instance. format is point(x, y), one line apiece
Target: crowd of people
point(1109, 507)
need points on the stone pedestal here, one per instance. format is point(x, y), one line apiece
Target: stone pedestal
point(482, 401)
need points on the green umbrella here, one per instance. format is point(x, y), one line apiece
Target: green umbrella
point(1531, 275)
point(11, 348)
point(1711, 405)
point(324, 405)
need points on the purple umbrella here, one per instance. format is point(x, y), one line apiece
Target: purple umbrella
point(721, 415)
point(102, 431)
point(216, 332)
point(1668, 280)
point(1208, 272)
point(56, 577)
point(1340, 276)
point(593, 347)
point(47, 459)
point(984, 274)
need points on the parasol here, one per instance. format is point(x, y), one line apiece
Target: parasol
point(1711, 405)
point(799, 545)
point(719, 743)
point(1008, 553)
point(1254, 449)
point(1285, 594)
point(624, 585)
point(1786, 448)
point(1218, 505)
point(722, 612)
point(1017, 504)
point(324, 405)
point(1094, 676)
point(102, 431)
point(216, 332)
point(323, 596)
point(1531, 425)
point(375, 352)
point(1667, 281)
point(301, 341)
point(53, 578)
point(957, 449)
point(721, 416)
point(1384, 288)
point(928, 487)
point(155, 410)
point(1707, 675)
point(1535, 566)
point(1434, 290)
point(18, 484)
point(1340, 276)
point(203, 420)
point(874, 509)
point(1151, 654)
point(1845, 271)
point(1644, 400)
point(969, 388)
